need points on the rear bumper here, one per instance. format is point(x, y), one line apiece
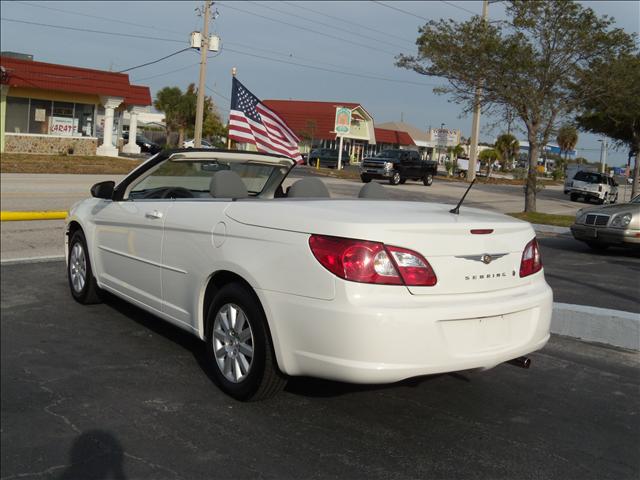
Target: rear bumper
point(382, 334)
point(610, 236)
point(587, 193)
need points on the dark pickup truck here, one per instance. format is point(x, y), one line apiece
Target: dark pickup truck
point(398, 166)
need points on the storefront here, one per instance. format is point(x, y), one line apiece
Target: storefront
point(48, 108)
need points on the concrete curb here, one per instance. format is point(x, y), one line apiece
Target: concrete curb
point(602, 325)
point(538, 227)
point(47, 258)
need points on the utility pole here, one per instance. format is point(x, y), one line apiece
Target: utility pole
point(603, 154)
point(475, 125)
point(204, 48)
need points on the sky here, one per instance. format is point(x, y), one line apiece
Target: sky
point(327, 51)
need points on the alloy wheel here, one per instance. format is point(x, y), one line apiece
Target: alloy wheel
point(78, 267)
point(233, 342)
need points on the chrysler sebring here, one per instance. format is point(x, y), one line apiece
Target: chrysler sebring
point(281, 283)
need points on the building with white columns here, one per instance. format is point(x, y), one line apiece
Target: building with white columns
point(60, 109)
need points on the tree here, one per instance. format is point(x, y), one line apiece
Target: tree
point(616, 112)
point(507, 148)
point(527, 64)
point(488, 156)
point(180, 112)
point(567, 139)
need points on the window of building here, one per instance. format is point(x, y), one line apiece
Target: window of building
point(17, 115)
point(39, 114)
point(46, 117)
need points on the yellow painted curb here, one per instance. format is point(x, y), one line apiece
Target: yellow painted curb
point(20, 216)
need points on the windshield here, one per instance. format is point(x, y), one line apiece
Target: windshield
point(588, 177)
point(389, 154)
point(195, 176)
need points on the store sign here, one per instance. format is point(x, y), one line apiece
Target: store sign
point(63, 126)
point(445, 137)
point(343, 120)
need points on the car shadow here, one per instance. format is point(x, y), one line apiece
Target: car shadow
point(320, 388)
point(302, 386)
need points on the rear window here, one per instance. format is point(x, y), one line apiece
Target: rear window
point(589, 177)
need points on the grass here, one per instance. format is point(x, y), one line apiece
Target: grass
point(545, 218)
point(80, 164)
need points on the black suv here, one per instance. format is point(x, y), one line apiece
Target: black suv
point(398, 166)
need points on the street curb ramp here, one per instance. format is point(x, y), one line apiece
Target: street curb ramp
point(602, 325)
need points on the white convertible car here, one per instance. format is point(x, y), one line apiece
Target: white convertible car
point(363, 290)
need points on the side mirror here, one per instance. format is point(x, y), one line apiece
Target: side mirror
point(103, 189)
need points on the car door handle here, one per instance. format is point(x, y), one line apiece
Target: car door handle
point(153, 215)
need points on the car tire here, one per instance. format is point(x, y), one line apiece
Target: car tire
point(574, 197)
point(251, 349)
point(598, 246)
point(428, 180)
point(403, 181)
point(615, 199)
point(365, 178)
point(395, 179)
point(82, 282)
point(462, 174)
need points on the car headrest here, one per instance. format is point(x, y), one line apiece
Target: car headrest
point(308, 187)
point(227, 184)
point(373, 190)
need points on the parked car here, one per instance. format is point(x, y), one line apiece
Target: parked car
point(191, 143)
point(328, 157)
point(592, 185)
point(398, 166)
point(364, 290)
point(144, 143)
point(462, 167)
point(611, 225)
point(571, 171)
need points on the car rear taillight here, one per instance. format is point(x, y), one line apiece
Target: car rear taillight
point(531, 259)
point(371, 262)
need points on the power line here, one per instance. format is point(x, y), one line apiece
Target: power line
point(226, 5)
point(401, 10)
point(292, 56)
point(306, 19)
point(87, 30)
point(166, 73)
point(217, 93)
point(459, 7)
point(348, 22)
point(140, 25)
point(155, 61)
point(351, 74)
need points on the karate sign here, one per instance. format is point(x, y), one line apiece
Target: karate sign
point(343, 120)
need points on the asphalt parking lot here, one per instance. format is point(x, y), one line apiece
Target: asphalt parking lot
point(108, 391)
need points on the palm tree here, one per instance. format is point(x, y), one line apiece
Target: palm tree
point(507, 147)
point(567, 139)
point(179, 109)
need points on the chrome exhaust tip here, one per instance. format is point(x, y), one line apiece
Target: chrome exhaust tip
point(522, 362)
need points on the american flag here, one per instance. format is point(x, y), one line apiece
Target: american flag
point(250, 121)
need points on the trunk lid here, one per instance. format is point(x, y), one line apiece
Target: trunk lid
point(443, 238)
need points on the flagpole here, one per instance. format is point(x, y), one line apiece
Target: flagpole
point(234, 70)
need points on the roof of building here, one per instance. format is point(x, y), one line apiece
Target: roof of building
point(65, 78)
point(415, 133)
point(384, 135)
point(302, 116)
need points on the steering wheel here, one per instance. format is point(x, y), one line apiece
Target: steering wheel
point(177, 192)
